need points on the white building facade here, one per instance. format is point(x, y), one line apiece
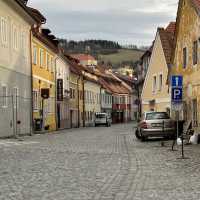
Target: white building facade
point(15, 68)
point(62, 90)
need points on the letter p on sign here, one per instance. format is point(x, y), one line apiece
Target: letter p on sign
point(177, 94)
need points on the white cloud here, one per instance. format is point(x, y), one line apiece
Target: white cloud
point(127, 21)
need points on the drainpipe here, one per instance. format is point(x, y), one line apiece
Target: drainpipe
point(55, 77)
point(100, 100)
point(31, 100)
point(83, 102)
point(78, 100)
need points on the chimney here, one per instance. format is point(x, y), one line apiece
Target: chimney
point(25, 2)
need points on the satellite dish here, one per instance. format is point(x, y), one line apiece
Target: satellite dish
point(189, 90)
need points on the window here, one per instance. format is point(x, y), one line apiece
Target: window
point(4, 96)
point(160, 82)
point(4, 31)
point(184, 57)
point(41, 57)
point(35, 55)
point(23, 43)
point(15, 96)
point(48, 62)
point(52, 65)
point(154, 84)
point(71, 95)
point(157, 115)
point(195, 52)
point(35, 100)
point(15, 37)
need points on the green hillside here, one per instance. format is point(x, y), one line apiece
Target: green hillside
point(123, 56)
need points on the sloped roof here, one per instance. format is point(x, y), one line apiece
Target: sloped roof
point(167, 40)
point(171, 27)
point(27, 9)
point(196, 3)
point(37, 14)
point(83, 57)
point(129, 80)
point(113, 87)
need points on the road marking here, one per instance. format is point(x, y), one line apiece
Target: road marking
point(14, 143)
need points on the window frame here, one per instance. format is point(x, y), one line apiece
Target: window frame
point(15, 37)
point(154, 84)
point(184, 57)
point(35, 55)
point(41, 53)
point(4, 97)
point(195, 52)
point(160, 82)
point(4, 30)
point(15, 94)
point(48, 62)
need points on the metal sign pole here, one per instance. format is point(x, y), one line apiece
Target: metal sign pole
point(177, 125)
point(182, 146)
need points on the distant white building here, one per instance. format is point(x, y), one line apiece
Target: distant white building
point(62, 78)
point(86, 60)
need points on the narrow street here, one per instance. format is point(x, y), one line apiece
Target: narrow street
point(96, 164)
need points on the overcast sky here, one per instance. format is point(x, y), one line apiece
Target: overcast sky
point(125, 21)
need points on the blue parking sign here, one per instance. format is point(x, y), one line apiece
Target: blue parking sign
point(177, 95)
point(177, 81)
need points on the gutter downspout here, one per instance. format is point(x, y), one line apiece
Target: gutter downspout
point(56, 109)
point(101, 106)
point(31, 100)
point(83, 102)
point(78, 79)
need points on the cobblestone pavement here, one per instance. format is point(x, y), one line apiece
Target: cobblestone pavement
point(96, 164)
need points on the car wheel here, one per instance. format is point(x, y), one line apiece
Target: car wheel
point(137, 134)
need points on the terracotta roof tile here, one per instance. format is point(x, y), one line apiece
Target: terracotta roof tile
point(167, 39)
point(114, 87)
point(83, 57)
point(196, 3)
point(171, 27)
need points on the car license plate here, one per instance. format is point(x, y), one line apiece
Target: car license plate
point(157, 125)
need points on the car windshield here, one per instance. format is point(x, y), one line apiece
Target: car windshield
point(100, 116)
point(157, 115)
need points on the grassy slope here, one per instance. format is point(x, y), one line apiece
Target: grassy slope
point(122, 55)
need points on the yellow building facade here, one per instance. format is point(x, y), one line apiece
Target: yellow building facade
point(155, 94)
point(43, 77)
point(186, 59)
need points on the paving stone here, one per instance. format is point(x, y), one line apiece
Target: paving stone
point(96, 164)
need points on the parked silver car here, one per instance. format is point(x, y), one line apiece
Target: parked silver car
point(102, 119)
point(155, 124)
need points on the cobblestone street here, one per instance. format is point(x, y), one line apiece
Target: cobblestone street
point(96, 164)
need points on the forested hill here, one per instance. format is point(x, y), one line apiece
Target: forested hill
point(104, 51)
point(90, 46)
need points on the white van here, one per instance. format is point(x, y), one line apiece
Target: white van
point(102, 119)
